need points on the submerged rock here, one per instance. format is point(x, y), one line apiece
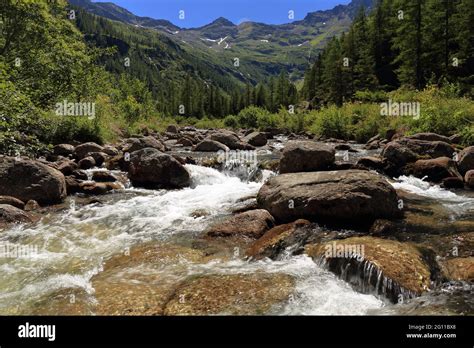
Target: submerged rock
point(351, 196)
point(306, 156)
point(422, 218)
point(28, 179)
point(124, 289)
point(236, 294)
point(64, 301)
point(253, 223)
point(75, 185)
point(459, 268)
point(376, 265)
point(97, 188)
point(453, 298)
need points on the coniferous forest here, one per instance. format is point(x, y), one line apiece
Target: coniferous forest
point(411, 50)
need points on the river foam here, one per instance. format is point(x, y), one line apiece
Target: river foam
point(73, 245)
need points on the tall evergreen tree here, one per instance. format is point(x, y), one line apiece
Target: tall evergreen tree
point(408, 41)
point(333, 89)
point(364, 63)
point(382, 29)
point(463, 54)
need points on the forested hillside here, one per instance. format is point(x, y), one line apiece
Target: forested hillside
point(142, 78)
point(291, 46)
point(401, 43)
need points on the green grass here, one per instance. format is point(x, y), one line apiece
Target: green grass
point(442, 112)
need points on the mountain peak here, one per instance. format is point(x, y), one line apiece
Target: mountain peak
point(222, 21)
point(350, 10)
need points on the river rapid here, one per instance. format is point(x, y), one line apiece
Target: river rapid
point(73, 244)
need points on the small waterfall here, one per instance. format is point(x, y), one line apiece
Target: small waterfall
point(317, 291)
point(366, 277)
point(89, 173)
point(245, 170)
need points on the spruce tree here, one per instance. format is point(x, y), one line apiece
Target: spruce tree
point(408, 41)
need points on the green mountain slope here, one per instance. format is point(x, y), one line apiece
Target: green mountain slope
point(263, 50)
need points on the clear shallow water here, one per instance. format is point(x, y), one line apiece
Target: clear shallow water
point(73, 245)
point(317, 291)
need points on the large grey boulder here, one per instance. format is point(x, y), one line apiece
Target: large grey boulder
point(135, 144)
point(208, 145)
point(151, 168)
point(435, 169)
point(466, 160)
point(231, 140)
point(252, 224)
point(10, 214)
point(256, 139)
point(306, 156)
point(350, 196)
point(31, 180)
point(83, 150)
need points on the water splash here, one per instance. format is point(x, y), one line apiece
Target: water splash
point(75, 241)
point(457, 203)
point(317, 291)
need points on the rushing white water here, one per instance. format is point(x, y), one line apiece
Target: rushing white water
point(457, 203)
point(317, 292)
point(72, 245)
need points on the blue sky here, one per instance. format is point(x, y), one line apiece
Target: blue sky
point(201, 12)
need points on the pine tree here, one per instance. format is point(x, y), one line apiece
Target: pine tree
point(350, 60)
point(408, 42)
point(438, 37)
point(248, 95)
point(282, 90)
point(382, 31)
point(463, 55)
point(364, 63)
point(333, 90)
point(261, 95)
